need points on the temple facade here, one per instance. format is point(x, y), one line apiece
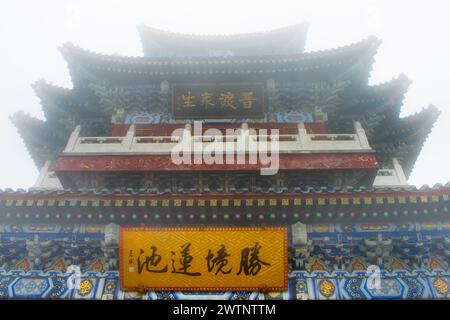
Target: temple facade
point(356, 228)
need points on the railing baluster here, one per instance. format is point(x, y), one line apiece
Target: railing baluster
point(287, 142)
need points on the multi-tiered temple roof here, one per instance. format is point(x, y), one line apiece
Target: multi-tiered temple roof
point(341, 191)
point(334, 80)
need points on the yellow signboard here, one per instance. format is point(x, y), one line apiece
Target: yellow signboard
point(203, 259)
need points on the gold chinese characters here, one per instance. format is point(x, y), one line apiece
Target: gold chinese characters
point(208, 259)
point(226, 99)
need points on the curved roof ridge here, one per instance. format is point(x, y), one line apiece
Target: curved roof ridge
point(47, 91)
point(430, 110)
point(425, 120)
point(160, 43)
point(42, 85)
point(231, 36)
point(373, 40)
point(36, 135)
point(370, 42)
point(20, 115)
point(68, 47)
point(401, 80)
point(396, 87)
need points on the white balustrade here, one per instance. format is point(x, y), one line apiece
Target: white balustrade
point(302, 142)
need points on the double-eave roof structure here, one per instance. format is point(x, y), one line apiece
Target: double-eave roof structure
point(340, 76)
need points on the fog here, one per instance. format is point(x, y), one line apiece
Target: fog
point(415, 39)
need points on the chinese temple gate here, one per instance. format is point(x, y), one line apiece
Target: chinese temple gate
point(113, 216)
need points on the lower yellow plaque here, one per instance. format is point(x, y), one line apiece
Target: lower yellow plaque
point(203, 259)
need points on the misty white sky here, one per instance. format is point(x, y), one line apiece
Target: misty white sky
point(415, 37)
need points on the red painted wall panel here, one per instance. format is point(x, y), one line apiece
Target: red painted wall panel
point(137, 163)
